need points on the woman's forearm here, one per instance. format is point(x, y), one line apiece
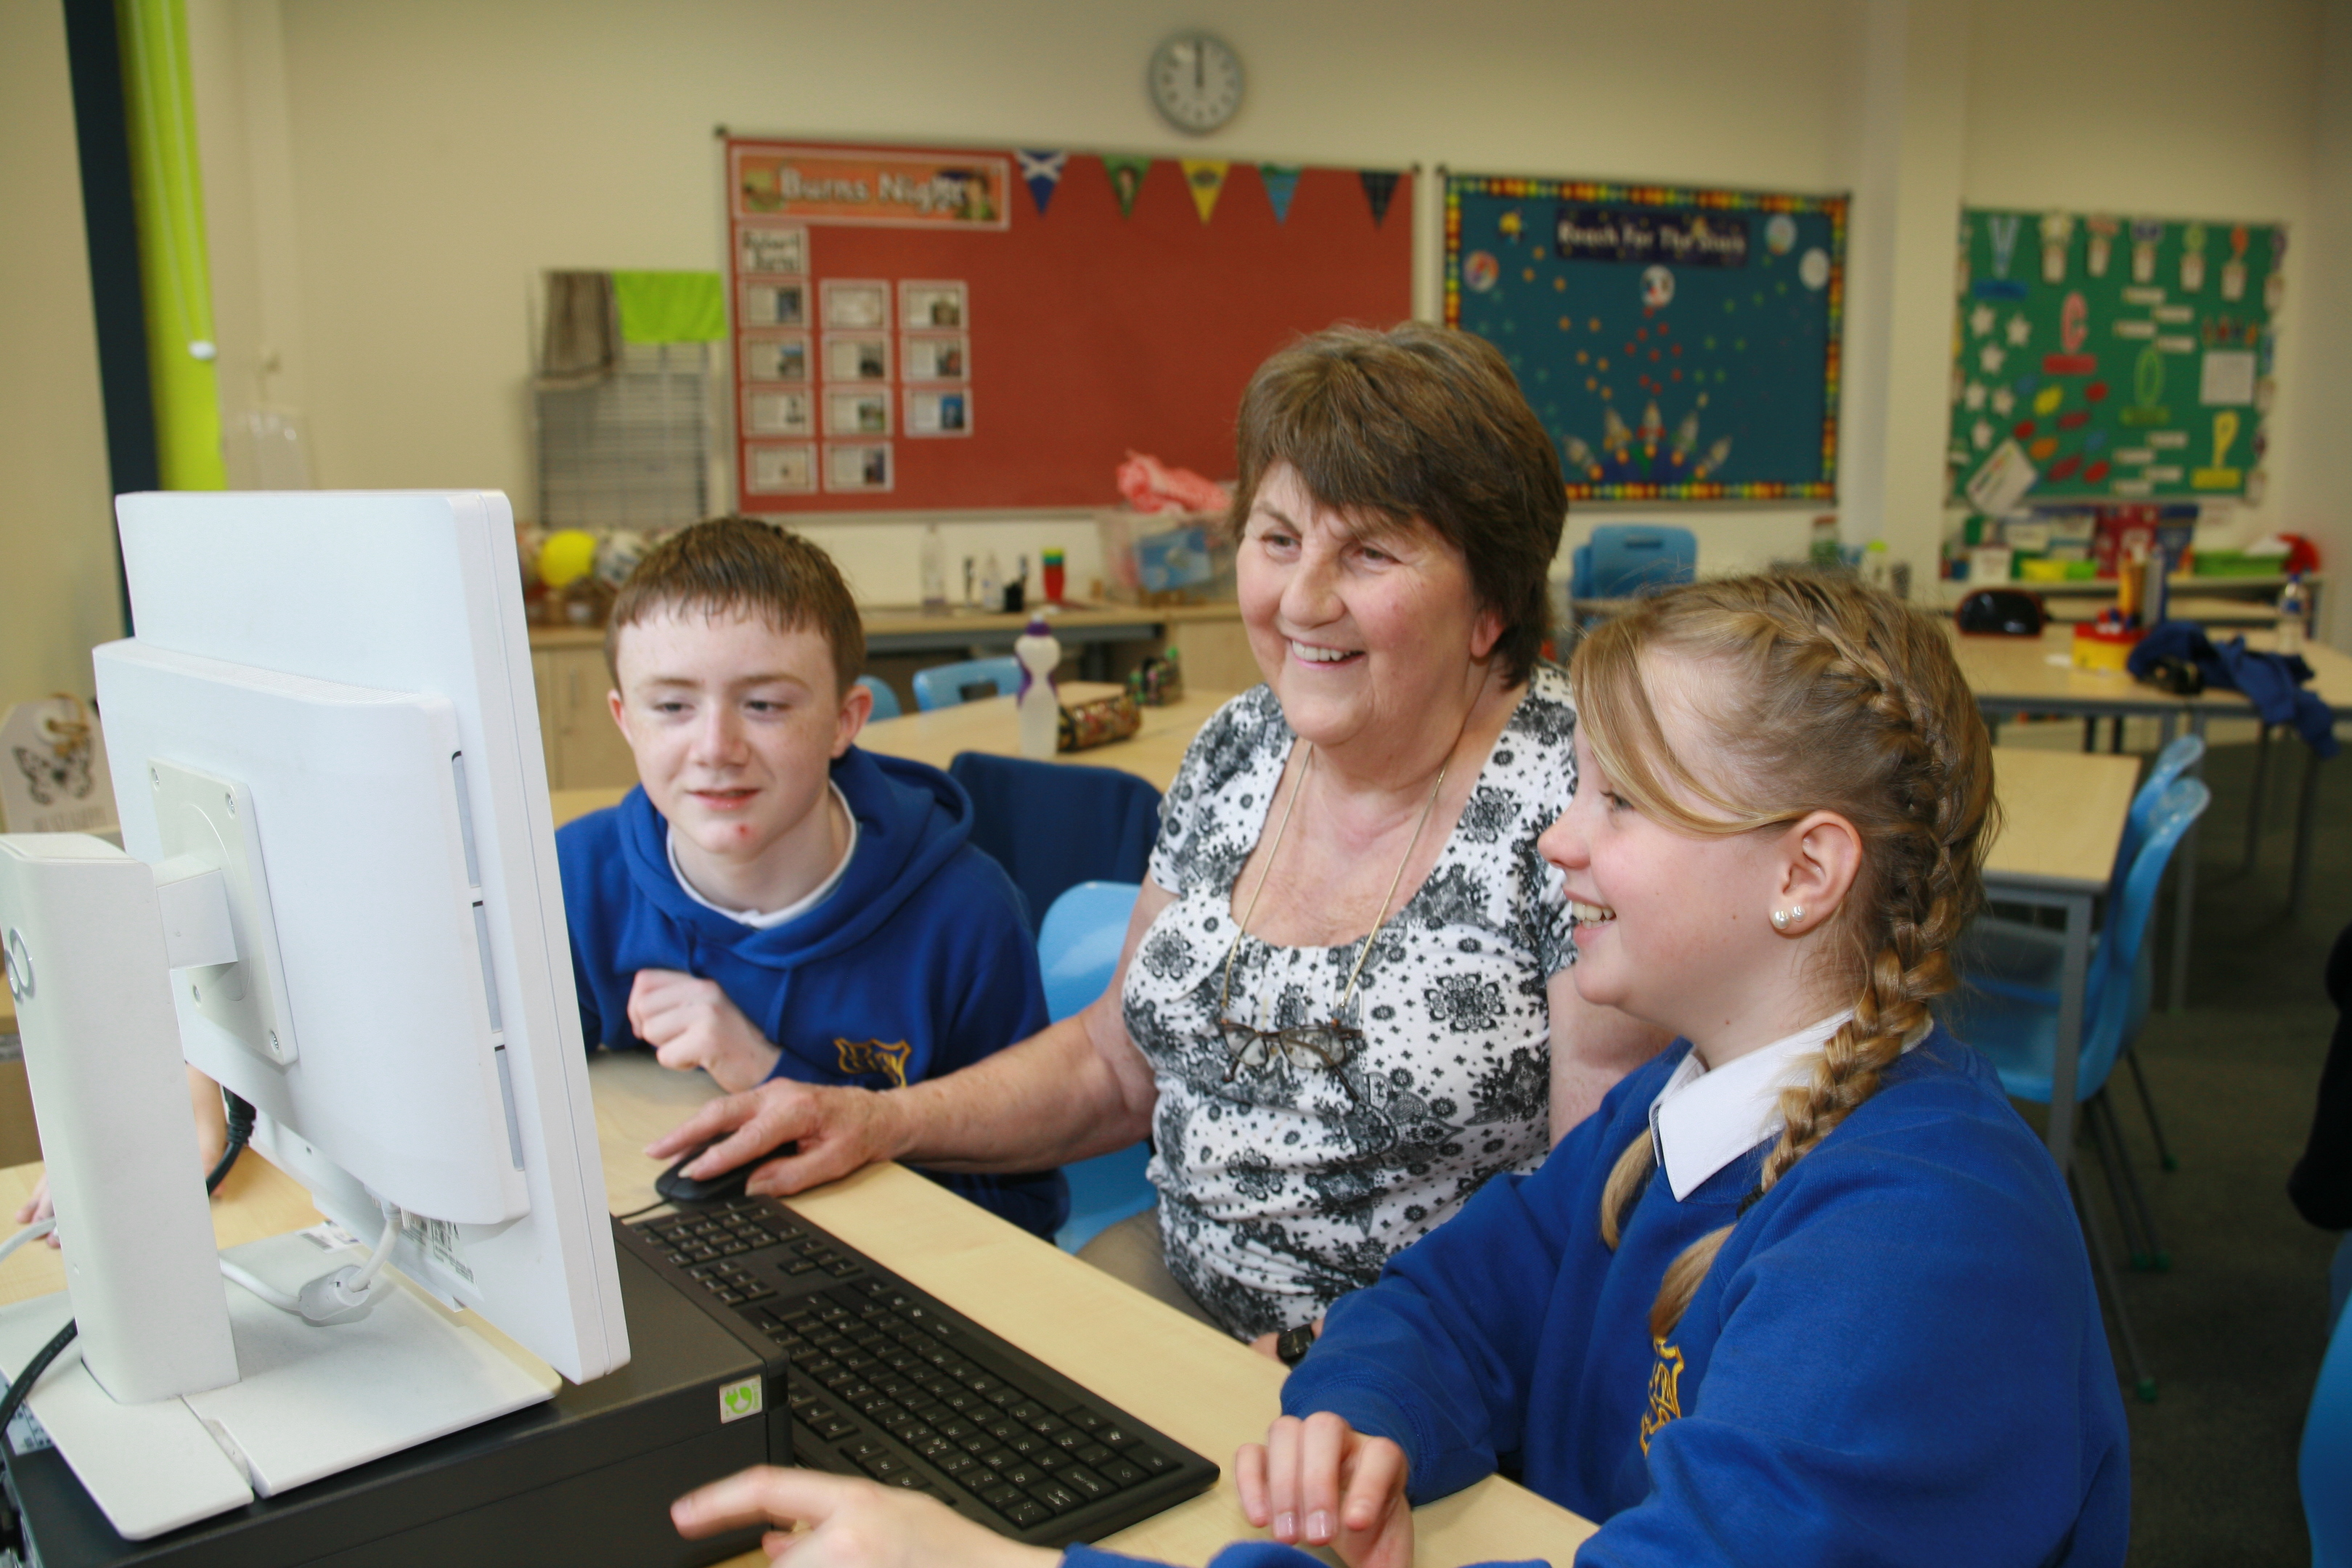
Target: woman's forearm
point(1050, 1099)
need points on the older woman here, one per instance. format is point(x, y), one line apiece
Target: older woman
point(1343, 1003)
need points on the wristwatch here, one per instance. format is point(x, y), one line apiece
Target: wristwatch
point(1290, 1346)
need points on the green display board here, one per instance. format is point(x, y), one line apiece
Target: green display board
point(2110, 357)
point(1678, 344)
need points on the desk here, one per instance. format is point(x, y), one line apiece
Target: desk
point(2063, 815)
point(1153, 753)
point(1204, 1389)
point(2036, 675)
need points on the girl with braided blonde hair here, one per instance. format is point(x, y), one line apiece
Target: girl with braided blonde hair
point(1804, 1288)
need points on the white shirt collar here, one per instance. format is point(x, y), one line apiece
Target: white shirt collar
point(1703, 1121)
point(793, 911)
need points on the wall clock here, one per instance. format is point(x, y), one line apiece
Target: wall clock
point(1196, 81)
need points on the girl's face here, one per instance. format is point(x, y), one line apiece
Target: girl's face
point(1672, 927)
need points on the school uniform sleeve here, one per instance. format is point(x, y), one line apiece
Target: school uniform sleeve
point(1434, 1356)
point(1908, 1370)
point(1246, 1554)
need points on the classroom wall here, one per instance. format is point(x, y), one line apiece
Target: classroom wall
point(58, 579)
point(386, 181)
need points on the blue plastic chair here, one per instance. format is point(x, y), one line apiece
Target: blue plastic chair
point(1628, 558)
point(1078, 949)
point(1052, 826)
point(2325, 1469)
point(2022, 960)
point(886, 701)
point(945, 685)
point(2019, 1035)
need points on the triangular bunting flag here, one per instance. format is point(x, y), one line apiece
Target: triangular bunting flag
point(1380, 189)
point(1125, 179)
point(1206, 179)
point(1043, 172)
point(1281, 184)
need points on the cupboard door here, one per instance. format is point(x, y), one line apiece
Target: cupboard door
point(592, 752)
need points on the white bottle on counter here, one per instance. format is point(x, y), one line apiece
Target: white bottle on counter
point(1039, 704)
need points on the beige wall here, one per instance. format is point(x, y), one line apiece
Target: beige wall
point(385, 182)
point(58, 581)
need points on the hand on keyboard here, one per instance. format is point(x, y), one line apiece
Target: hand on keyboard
point(851, 1523)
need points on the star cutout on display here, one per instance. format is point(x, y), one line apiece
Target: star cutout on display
point(1973, 396)
point(1981, 434)
point(1992, 357)
point(2004, 403)
point(2019, 329)
point(1980, 320)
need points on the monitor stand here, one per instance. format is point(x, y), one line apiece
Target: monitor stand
point(310, 1401)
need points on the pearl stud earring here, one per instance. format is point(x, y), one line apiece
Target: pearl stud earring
point(1780, 920)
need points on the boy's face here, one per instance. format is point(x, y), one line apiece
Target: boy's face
point(734, 724)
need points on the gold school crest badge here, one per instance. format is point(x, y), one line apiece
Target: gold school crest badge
point(1666, 1391)
point(873, 1056)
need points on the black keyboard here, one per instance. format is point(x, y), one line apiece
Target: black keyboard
point(886, 1381)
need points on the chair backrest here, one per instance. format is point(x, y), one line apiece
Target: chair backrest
point(945, 685)
point(2108, 1008)
point(1079, 943)
point(2181, 755)
point(2325, 1467)
point(886, 701)
point(1629, 557)
point(1054, 824)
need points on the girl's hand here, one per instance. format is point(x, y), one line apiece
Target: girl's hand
point(37, 1207)
point(1322, 1482)
point(849, 1524)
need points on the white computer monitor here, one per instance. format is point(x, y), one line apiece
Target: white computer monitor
point(330, 694)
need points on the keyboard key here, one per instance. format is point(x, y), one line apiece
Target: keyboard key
point(1024, 1476)
point(999, 1494)
point(1118, 1438)
point(834, 1426)
point(1055, 1496)
point(955, 1462)
point(1150, 1459)
point(1027, 1514)
point(1095, 1454)
point(1084, 1481)
point(910, 1479)
point(1120, 1473)
point(1086, 1420)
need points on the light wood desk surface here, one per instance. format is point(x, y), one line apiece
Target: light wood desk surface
point(2063, 814)
point(2014, 670)
point(1207, 1392)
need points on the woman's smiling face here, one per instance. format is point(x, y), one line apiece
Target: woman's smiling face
point(1362, 630)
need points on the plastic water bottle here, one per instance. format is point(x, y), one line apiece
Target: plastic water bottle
point(935, 570)
point(1039, 704)
point(2293, 605)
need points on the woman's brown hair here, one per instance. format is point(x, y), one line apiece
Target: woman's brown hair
point(1419, 423)
point(1824, 696)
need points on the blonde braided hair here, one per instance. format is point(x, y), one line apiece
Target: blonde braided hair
point(1829, 697)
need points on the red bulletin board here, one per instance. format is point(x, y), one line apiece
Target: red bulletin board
point(1085, 332)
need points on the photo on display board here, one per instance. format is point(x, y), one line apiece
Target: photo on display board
point(857, 357)
point(932, 303)
point(785, 470)
point(853, 466)
point(777, 414)
point(763, 249)
point(772, 357)
point(856, 305)
point(860, 412)
point(775, 304)
point(939, 357)
point(938, 413)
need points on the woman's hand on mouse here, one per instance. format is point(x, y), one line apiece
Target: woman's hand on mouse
point(838, 1129)
point(1320, 1482)
point(691, 1023)
point(846, 1523)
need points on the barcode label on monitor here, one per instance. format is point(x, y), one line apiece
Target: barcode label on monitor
point(437, 1240)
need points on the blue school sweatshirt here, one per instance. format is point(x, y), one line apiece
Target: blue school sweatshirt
point(917, 963)
point(1897, 1357)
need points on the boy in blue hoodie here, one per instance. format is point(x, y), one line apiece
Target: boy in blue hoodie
point(771, 902)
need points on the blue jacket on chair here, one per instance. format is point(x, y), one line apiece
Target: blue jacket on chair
point(917, 964)
point(2272, 683)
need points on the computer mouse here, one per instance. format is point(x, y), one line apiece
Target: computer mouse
point(679, 1188)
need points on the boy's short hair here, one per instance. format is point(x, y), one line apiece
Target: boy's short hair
point(738, 563)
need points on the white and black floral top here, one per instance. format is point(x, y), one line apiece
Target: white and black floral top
point(1289, 1185)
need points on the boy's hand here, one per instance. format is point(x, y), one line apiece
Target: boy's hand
point(838, 1129)
point(690, 1023)
point(1322, 1482)
point(850, 1523)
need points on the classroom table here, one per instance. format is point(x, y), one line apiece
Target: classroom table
point(2036, 675)
point(2062, 816)
point(1206, 1391)
point(991, 724)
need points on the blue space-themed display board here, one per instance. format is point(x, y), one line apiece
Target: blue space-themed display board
point(2100, 356)
point(1679, 344)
